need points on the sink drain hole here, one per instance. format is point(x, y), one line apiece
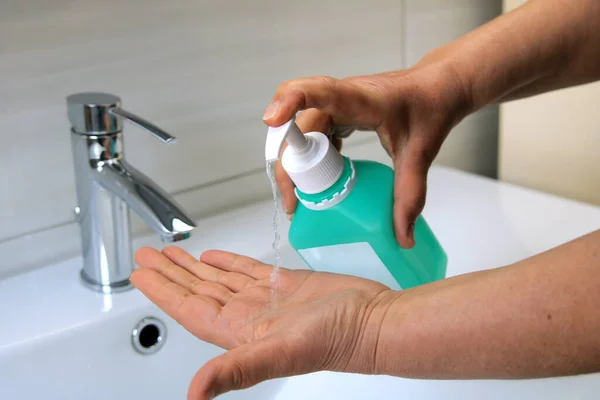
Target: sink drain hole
point(148, 336)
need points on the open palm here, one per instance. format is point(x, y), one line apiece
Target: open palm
point(311, 321)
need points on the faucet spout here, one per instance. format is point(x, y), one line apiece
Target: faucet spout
point(154, 206)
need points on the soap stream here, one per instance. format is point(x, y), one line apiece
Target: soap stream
point(275, 273)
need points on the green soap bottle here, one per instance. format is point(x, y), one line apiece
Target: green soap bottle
point(343, 223)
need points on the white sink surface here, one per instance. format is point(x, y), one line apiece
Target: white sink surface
point(62, 341)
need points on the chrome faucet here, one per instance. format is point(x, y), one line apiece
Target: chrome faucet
point(108, 186)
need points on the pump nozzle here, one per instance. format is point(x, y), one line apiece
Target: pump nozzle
point(310, 160)
point(278, 135)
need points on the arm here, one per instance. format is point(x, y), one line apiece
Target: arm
point(541, 46)
point(537, 318)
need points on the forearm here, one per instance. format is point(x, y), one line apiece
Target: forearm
point(537, 318)
point(543, 45)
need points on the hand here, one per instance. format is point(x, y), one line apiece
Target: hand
point(314, 321)
point(412, 111)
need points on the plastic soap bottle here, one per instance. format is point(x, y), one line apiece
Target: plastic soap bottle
point(343, 223)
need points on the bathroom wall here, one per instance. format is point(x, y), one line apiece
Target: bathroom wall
point(551, 142)
point(473, 144)
point(203, 70)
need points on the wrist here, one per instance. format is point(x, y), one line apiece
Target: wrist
point(368, 350)
point(386, 319)
point(449, 59)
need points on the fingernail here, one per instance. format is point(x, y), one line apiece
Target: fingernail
point(271, 110)
point(289, 216)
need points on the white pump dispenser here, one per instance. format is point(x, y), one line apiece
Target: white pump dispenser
point(310, 160)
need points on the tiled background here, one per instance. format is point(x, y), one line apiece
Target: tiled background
point(203, 70)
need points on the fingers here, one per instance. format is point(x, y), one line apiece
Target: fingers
point(234, 282)
point(286, 187)
point(308, 121)
point(172, 270)
point(313, 120)
point(234, 263)
point(348, 101)
point(337, 143)
point(410, 187)
point(240, 368)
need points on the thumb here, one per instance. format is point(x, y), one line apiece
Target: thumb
point(240, 368)
point(410, 188)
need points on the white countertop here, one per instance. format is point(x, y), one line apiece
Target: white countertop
point(480, 222)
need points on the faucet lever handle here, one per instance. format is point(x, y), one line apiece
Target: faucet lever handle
point(93, 113)
point(143, 123)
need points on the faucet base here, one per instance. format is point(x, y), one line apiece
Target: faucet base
point(113, 287)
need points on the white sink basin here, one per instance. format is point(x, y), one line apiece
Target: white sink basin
point(96, 361)
point(59, 340)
